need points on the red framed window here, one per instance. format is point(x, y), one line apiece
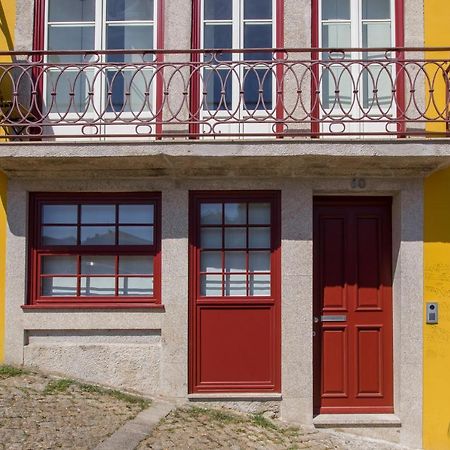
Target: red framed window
point(95, 249)
point(236, 245)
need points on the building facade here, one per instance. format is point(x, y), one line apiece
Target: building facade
point(234, 214)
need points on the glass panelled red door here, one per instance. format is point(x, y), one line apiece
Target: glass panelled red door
point(234, 321)
point(352, 305)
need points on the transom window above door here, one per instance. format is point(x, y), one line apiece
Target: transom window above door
point(111, 85)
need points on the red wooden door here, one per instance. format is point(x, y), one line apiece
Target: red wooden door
point(234, 313)
point(352, 305)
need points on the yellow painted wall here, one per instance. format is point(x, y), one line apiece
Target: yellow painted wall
point(436, 415)
point(437, 288)
point(7, 24)
point(3, 187)
point(437, 20)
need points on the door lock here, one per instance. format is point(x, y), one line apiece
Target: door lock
point(316, 320)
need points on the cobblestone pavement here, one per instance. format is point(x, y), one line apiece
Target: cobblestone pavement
point(210, 429)
point(38, 412)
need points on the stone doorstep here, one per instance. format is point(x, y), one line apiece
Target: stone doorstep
point(357, 420)
point(257, 397)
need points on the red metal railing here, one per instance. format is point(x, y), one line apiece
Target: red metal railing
point(275, 93)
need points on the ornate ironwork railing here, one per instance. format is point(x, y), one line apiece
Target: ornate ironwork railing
point(275, 93)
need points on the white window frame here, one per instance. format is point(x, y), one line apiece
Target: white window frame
point(356, 41)
point(99, 100)
point(238, 23)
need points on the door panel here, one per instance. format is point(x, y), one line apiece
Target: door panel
point(235, 300)
point(352, 305)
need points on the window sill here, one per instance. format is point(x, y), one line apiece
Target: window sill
point(94, 306)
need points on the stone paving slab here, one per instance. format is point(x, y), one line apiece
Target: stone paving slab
point(137, 429)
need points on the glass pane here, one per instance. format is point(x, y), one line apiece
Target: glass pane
point(59, 265)
point(376, 9)
point(257, 9)
point(98, 265)
point(259, 261)
point(259, 213)
point(258, 89)
point(376, 34)
point(136, 235)
point(136, 286)
point(98, 214)
point(68, 91)
point(59, 214)
point(259, 285)
point(218, 36)
point(129, 10)
point(378, 87)
point(337, 89)
point(258, 36)
point(236, 285)
point(259, 237)
point(211, 237)
point(136, 214)
point(98, 235)
point(235, 237)
point(218, 89)
point(336, 35)
point(211, 285)
point(136, 265)
point(235, 262)
point(129, 37)
point(70, 38)
point(98, 286)
point(129, 90)
point(218, 9)
point(59, 287)
point(59, 236)
point(71, 10)
point(211, 262)
point(211, 213)
point(236, 213)
point(336, 9)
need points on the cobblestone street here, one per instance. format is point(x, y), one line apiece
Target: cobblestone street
point(208, 429)
point(38, 412)
point(41, 412)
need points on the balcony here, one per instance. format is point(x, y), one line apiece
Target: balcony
point(225, 94)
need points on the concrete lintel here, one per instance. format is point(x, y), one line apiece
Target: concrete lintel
point(395, 158)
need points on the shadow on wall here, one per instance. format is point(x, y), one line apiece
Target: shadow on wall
point(4, 28)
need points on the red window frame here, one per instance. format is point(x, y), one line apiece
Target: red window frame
point(36, 250)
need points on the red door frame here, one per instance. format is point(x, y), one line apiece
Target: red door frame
point(315, 85)
point(39, 41)
point(274, 301)
point(344, 201)
point(194, 126)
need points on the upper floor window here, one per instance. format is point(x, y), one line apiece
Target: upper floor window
point(111, 85)
point(358, 89)
point(244, 90)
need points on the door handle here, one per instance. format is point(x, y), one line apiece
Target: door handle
point(316, 320)
point(342, 318)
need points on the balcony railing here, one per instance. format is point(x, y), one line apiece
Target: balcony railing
point(278, 93)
